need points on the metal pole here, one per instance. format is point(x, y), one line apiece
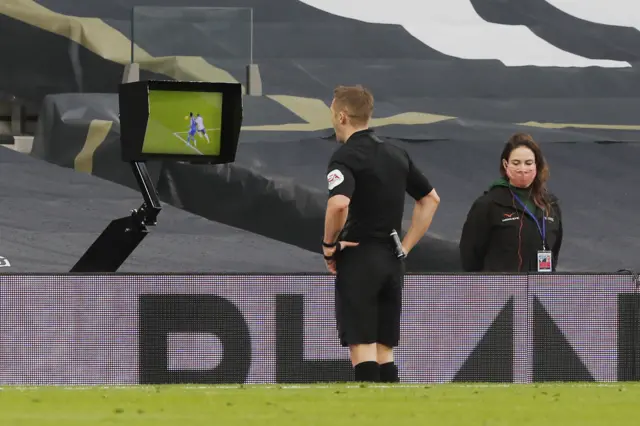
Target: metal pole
point(132, 36)
point(251, 37)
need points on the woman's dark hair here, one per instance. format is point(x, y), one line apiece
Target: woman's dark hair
point(539, 186)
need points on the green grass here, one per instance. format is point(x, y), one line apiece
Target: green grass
point(327, 405)
point(168, 126)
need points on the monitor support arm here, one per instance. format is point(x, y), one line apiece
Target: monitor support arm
point(148, 212)
point(121, 237)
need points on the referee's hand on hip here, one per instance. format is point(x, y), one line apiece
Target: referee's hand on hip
point(330, 252)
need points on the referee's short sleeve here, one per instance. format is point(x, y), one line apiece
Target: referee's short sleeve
point(418, 185)
point(340, 179)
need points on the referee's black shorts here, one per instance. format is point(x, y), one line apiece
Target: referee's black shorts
point(368, 295)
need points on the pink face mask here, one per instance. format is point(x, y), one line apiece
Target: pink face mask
point(521, 176)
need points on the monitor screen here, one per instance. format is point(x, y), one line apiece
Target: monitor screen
point(186, 123)
point(175, 120)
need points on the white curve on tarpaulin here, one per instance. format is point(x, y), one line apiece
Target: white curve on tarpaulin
point(453, 28)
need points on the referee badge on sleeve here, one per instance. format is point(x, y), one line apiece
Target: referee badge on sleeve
point(335, 178)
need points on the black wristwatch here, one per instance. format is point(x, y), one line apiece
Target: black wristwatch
point(327, 245)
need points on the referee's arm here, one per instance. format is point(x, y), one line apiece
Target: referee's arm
point(427, 201)
point(341, 185)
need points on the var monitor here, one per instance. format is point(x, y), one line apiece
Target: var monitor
point(178, 120)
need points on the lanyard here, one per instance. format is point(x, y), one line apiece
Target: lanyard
point(543, 230)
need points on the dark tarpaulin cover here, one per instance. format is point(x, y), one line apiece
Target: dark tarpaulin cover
point(452, 113)
point(51, 215)
point(278, 189)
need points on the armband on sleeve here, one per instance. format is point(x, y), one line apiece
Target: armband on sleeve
point(340, 180)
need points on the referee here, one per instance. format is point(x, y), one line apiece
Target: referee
point(367, 180)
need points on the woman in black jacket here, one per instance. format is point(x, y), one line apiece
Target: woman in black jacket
point(516, 225)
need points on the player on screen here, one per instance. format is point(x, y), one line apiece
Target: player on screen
point(192, 129)
point(201, 130)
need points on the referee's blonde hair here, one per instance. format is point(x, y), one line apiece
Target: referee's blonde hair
point(355, 101)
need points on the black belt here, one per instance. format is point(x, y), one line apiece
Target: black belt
point(390, 238)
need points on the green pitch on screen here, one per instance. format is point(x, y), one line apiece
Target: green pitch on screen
point(169, 125)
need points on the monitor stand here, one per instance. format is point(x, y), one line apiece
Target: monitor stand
point(121, 237)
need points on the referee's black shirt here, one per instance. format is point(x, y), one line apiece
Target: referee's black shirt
point(375, 175)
